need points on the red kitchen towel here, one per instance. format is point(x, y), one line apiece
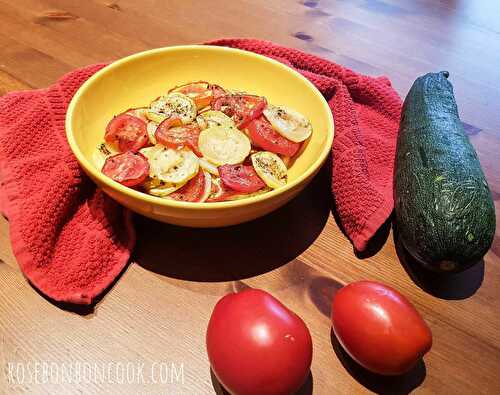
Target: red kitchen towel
point(71, 241)
point(366, 113)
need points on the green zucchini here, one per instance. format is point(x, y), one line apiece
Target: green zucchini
point(444, 212)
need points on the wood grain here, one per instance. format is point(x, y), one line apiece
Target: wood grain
point(158, 310)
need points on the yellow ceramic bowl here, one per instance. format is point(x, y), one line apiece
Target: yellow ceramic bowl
point(135, 80)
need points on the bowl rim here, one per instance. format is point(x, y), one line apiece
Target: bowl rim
point(155, 200)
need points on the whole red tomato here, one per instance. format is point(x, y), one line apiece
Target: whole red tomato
point(258, 346)
point(379, 328)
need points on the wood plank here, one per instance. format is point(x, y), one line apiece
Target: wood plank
point(9, 83)
point(25, 29)
point(397, 29)
point(158, 310)
point(89, 38)
point(31, 67)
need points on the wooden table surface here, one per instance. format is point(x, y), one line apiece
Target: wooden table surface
point(156, 314)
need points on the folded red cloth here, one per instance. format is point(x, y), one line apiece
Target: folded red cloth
point(71, 241)
point(366, 113)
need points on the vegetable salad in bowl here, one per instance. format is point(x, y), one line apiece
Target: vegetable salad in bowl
point(203, 143)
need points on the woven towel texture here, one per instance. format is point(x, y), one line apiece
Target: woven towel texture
point(71, 241)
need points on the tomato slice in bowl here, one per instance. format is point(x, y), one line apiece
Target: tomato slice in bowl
point(196, 189)
point(200, 92)
point(127, 133)
point(264, 136)
point(241, 108)
point(241, 178)
point(217, 91)
point(128, 168)
point(171, 133)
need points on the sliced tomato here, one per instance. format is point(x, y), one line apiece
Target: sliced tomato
point(127, 133)
point(217, 91)
point(241, 178)
point(171, 133)
point(200, 92)
point(241, 108)
point(264, 136)
point(127, 168)
point(192, 191)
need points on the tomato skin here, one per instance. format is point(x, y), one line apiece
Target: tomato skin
point(171, 133)
point(255, 112)
point(379, 328)
point(264, 136)
point(217, 92)
point(128, 168)
point(192, 191)
point(127, 133)
point(241, 108)
point(257, 346)
point(224, 100)
point(241, 178)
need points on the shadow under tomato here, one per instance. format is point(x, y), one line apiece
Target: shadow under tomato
point(306, 389)
point(387, 385)
point(240, 251)
point(321, 291)
point(449, 286)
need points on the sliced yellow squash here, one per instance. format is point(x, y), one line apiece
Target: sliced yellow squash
point(222, 145)
point(210, 167)
point(208, 186)
point(270, 168)
point(217, 118)
point(161, 160)
point(160, 188)
point(183, 171)
point(151, 128)
point(138, 113)
point(174, 104)
point(289, 123)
